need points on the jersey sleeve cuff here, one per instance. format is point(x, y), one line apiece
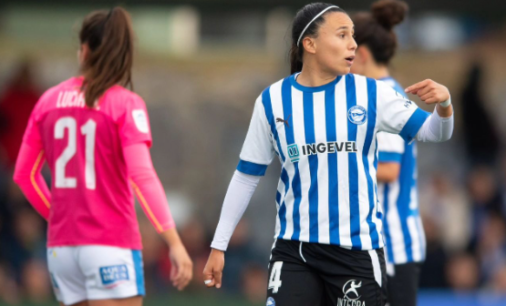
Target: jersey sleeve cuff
point(250, 168)
point(389, 157)
point(413, 125)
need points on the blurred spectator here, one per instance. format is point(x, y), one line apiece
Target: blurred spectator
point(491, 248)
point(433, 275)
point(240, 252)
point(485, 199)
point(445, 203)
point(254, 282)
point(499, 280)
point(8, 287)
point(482, 140)
point(462, 272)
point(16, 104)
point(35, 280)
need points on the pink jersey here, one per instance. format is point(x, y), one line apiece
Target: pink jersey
point(91, 198)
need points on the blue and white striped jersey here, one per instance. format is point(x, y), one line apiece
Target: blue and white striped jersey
point(325, 138)
point(404, 235)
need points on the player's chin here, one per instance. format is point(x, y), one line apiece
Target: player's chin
point(342, 70)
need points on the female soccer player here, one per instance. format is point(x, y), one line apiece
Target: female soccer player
point(397, 191)
point(95, 136)
point(321, 122)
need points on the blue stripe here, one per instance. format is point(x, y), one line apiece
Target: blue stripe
point(371, 123)
point(266, 101)
point(389, 247)
point(139, 273)
point(390, 157)
point(278, 198)
point(251, 168)
point(379, 215)
point(286, 94)
point(351, 100)
point(282, 208)
point(414, 124)
point(330, 122)
point(406, 182)
point(313, 166)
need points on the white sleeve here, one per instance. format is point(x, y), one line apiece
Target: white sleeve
point(397, 114)
point(239, 193)
point(436, 129)
point(390, 147)
point(258, 150)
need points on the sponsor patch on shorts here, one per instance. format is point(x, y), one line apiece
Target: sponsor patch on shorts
point(113, 274)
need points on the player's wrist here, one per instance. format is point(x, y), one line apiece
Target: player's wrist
point(171, 238)
point(446, 103)
point(215, 251)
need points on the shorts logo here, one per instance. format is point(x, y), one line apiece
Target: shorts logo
point(113, 274)
point(350, 290)
point(357, 115)
point(293, 152)
point(270, 302)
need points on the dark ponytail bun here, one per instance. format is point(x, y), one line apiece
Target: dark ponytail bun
point(389, 13)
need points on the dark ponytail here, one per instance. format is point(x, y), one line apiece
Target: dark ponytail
point(375, 28)
point(109, 36)
point(301, 20)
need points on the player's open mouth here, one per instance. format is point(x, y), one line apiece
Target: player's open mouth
point(350, 59)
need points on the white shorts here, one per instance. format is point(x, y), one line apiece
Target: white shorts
point(95, 273)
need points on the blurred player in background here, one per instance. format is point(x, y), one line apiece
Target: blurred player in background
point(322, 123)
point(397, 174)
point(95, 136)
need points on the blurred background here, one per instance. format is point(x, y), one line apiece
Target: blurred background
point(200, 64)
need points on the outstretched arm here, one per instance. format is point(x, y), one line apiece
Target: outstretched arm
point(439, 126)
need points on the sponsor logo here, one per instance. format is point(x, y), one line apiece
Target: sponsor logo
point(293, 153)
point(329, 147)
point(322, 147)
point(141, 120)
point(270, 302)
point(112, 275)
point(351, 295)
point(357, 115)
point(283, 120)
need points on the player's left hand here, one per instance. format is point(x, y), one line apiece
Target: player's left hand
point(182, 267)
point(429, 91)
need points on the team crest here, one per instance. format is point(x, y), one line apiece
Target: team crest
point(270, 302)
point(357, 115)
point(293, 152)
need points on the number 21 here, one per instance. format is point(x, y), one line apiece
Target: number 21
point(88, 130)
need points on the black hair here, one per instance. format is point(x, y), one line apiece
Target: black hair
point(301, 20)
point(374, 29)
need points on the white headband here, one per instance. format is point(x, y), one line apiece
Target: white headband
point(316, 17)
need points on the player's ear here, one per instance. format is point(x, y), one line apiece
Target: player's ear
point(83, 52)
point(363, 54)
point(309, 44)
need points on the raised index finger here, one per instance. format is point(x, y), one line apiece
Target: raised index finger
point(417, 86)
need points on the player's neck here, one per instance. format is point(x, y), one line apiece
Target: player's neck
point(376, 71)
point(314, 77)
